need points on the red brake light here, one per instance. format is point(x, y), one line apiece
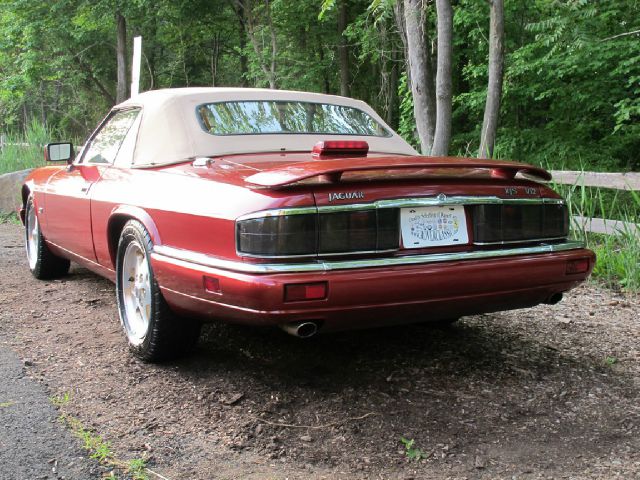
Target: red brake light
point(211, 284)
point(296, 292)
point(351, 148)
point(580, 265)
point(502, 173)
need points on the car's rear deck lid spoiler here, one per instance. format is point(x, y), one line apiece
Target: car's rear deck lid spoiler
point(332, 169)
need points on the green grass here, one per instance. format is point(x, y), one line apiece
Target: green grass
point(618, 256)
point(24, 150)
point(137, 468)
point(61, 400)
point(100, 450)
point(10, 217)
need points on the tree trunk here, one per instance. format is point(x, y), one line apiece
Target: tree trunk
point(421, 73)
point(398, 14)
point(326, 84)
point(494, 88)
point(442, 138)
point(121, 56)
point(343, 49)
point(215, 55)
point(239, 9)
point(269, 68)
point(392, 103)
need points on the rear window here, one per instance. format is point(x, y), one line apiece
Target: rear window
point(286, 117)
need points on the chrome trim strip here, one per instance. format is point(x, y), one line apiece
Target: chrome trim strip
point(514, 242)
point(462, 200)
point(203, 260)
point(314, 255)
point(279, 212)
point(403, 203)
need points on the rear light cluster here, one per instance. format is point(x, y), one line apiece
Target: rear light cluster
point(320, 234)
point(296, 292)
point(519, 223)
point(278, 236)
point(358, 231)
point(378, 229)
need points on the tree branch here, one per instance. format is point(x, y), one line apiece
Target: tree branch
point(87, 69)
point(625, 34)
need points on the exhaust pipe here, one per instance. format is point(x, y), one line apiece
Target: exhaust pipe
point(553, 299)
point(301, 329)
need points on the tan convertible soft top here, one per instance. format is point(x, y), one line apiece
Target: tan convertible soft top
point(170, 131)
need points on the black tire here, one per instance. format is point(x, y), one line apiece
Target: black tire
point(154, 332)
point(43, 264)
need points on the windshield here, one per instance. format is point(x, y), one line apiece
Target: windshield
point(271, 117)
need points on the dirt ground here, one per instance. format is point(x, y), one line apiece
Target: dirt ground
point(548, 392)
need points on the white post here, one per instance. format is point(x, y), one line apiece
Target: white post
point(135, 68)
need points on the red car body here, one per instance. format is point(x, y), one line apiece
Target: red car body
point(190, 209)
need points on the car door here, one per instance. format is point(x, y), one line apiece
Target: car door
point(68, 193)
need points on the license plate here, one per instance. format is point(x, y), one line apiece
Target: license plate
point(433, 226)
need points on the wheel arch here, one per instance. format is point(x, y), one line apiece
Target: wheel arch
point(117, 220)
point(25, 192)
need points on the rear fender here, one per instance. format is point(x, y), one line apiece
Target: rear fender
point(27, 188)
point(121, 215)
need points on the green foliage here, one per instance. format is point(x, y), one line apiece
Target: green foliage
point(101, 450)
point(572, 73)
point(22, 151)
point(137, 469)
point(609, 360)
point(618, 256)
point(11, 218)
point(61, 400)
point(570, 91)
point(98, 449)
point(411, 451)
point(407, 127)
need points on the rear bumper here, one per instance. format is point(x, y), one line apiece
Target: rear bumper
point(427, 287)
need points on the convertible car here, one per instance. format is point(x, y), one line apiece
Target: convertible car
point(292, 209)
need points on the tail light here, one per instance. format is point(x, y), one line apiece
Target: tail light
point(580, 265)
point(284, 235)
point(519, 223)
point(325, 234)
point(296, 292)
point(359, 231)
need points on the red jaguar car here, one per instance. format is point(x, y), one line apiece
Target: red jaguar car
point(294, 209)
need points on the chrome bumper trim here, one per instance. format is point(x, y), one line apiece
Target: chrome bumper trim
point(208, 261)
point(404, 203)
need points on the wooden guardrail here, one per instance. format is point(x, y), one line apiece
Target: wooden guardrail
point(617, 181)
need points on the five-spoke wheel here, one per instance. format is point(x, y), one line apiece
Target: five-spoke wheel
point(42, 263)
point(153, 331)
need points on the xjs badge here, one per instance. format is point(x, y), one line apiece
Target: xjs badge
point(346, 196)
point(527, 191)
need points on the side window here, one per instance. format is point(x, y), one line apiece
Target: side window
point(105, 145)
point(124, 158)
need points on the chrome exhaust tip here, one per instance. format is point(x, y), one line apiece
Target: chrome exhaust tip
point(301, 329)
point(553, 299)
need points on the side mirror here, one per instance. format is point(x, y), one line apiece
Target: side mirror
point(59, 152)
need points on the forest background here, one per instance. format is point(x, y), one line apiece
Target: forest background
point(570, 93)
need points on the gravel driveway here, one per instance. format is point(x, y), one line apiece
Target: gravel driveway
point(548, 392)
